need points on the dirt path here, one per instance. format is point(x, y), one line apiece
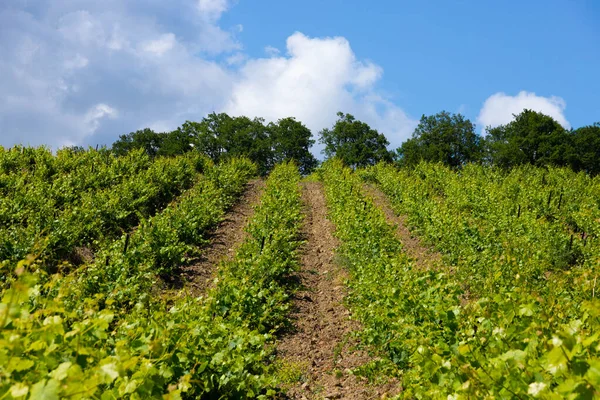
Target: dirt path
point(224, 240)
point(320, 345)
point(424, 256)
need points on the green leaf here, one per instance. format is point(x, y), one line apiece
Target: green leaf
point(110, 371)
point(60, 373)
point(19, 390)
point(19, 364)
point(45, 390)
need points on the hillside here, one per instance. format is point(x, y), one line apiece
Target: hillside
point(138, 277)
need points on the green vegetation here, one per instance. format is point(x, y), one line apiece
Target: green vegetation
point(444, 137)
point(515, 314)
point(52, 205)
point(103, 330)
point(354, 142)
point(222, 137)
point(586, 142)
point(532, 138)
point(90, 239)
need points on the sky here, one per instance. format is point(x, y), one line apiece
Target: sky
point(83, 72)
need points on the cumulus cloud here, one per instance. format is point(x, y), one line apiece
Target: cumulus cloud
point(68, 66)
point(315, 79)
point(213, 8)
point(83, 72)
point(76, 62)
point(499, 108)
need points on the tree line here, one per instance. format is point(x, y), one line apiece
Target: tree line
point(530, 138)
point(221, 136)
point(451, 139)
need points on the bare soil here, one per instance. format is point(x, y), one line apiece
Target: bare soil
point(424, 256)
point(223, 241)
point(321, 345)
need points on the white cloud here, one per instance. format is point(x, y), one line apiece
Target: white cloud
point(272, 51)
point(499, 108)
point(83, 72)
point(80, 26)
point(67, 67)
point(161, 45)
point(95, 114)
point(366, 75)
point(213, 8)
point(237, 59)
point(317, 78)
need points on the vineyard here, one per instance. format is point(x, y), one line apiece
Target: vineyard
point(380, 282)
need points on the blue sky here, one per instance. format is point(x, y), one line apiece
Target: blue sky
point(83, 72)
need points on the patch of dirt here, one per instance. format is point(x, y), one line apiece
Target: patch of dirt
point(423, 255)
point(223, 241)
point(321, 345)
point(80, 255)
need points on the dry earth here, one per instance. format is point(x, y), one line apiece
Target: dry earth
point(321, 344)
point(223, 241)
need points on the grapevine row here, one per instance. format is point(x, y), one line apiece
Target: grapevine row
point(442, 335)
point(160, 348)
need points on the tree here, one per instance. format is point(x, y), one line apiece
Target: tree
point(531, 138)
point(250, 138)
point(354, 142)
point(145, 139)
point(291, 140)
point(443, 137)
point(210, 135)
point(586, 142)
point(221, 136)
point(175, 143)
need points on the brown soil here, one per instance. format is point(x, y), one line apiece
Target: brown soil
point(424, 256)
point(80, 255)
point(321, 346)
point(223, 241)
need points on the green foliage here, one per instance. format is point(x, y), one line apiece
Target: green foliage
point(153, 352)
point(89, 197)
point(354, 142)
point(253, 285)
point(239, 136)
point(586, 141)
point(221, 136)
point(446, 138)
point(145, 139)
point(531, 138)
point(515, 314)
point(61, 339)
point(125, 269)
point(175, 143)
point(291, 140)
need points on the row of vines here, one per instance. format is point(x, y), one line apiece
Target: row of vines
point(89, 242)
point(513, 315)
point(101, 326)
point(53, 205)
